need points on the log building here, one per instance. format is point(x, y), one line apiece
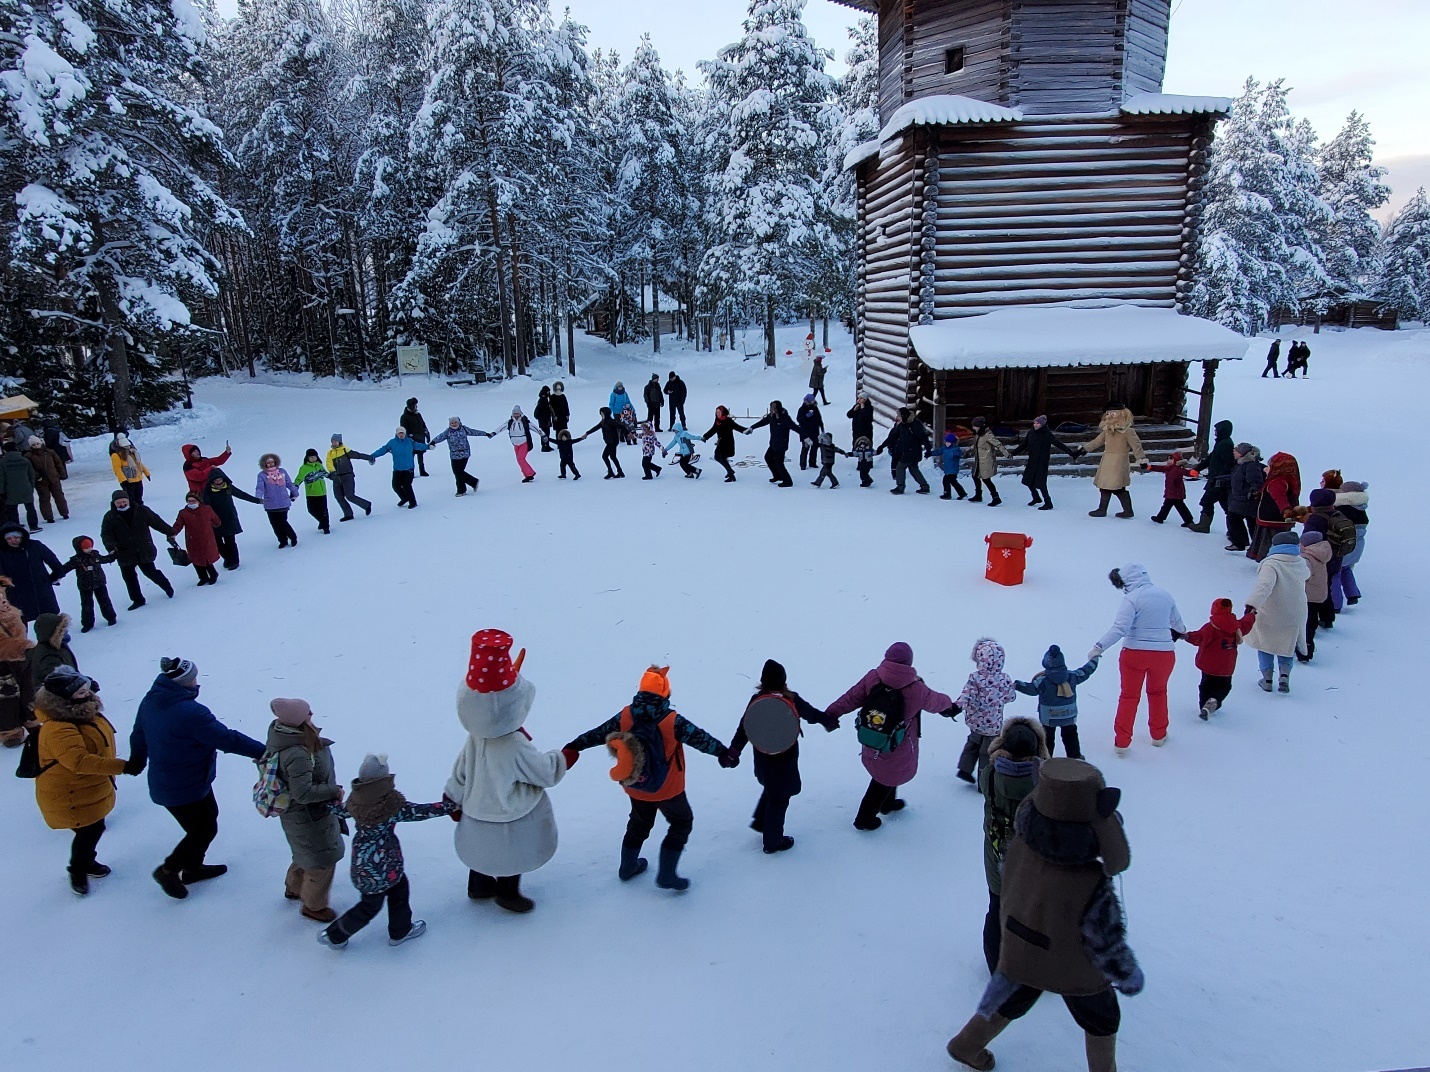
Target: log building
point(1028, 159)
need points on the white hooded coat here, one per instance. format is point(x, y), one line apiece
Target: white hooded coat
point(1280, 601)
point(500, 780)
point(1146, 617)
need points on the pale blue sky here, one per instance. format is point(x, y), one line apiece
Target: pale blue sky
point(1368, 55)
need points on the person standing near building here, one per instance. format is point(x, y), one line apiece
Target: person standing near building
point(861, 420)
point(416, 428)
point(907, 443)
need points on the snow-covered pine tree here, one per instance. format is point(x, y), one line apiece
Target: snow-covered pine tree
point(111, 177)
point(1259, 251)
point(769, 194)
point(1405, 264)
point(1353, 187)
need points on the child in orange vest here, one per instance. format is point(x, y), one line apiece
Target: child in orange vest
point(658, 783)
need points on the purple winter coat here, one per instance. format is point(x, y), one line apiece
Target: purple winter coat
point(276, 489)
point(899, 766)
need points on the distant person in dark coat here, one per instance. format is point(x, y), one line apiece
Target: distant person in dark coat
point(17, 485)
point(416, 428)
point(1038, 444)
point(543, 415)
point(560, 407)
point(907, 443)
point(33, 569)
point(1216, 468)
point(724, 430)
point(675, 391)
point(218, 496)
point(861, 420)
point(816, 378)
point(1273, 359)
point(811, 424)
point(179, 739)
point(611, 434)
point(125, 534)
point(87, 564)
point(654, 401)
point(1243, 493)
point(780, 426)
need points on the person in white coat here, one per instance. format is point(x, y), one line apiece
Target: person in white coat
point(1148, 624)
point(506, 827)
point(1279, 600)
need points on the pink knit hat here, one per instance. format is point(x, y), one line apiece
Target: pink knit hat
point(290, 712)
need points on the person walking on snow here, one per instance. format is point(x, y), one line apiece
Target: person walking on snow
point(898, 766)
point(816, 379)
point(1273, 360)
point(724, 430)
point(125, 534)
point(649, 445)
point(987, 449)
point(1217, 468)
point(314, 833)
point(1276, 505)
point(18, 481)
point(1038, 444)
point(458, 436)
point(811, 424)
point(1316, 550)
point(404, 453)
point(1352, 500)
point(675, 391)
point(312, 477)
point(1014, 758)
point(861, 420)
point(986, 693)
point(179, 739)
point(129, 468)
point(1117, 440)
point(1055, 686)
point(1243, 495)
point(907, 443)
point(828, 452)
point(518, 430)
point(542, 413)
point(49, 480)
point(1279, 600)
point(506, 827)
point(197, 468)
point(32, 567)
point(950, 461)
point(683, 443)
point(339, 463)
point(649, 728)
point(1061, 925)
point(1174, 490)
point(1216, 644)
point(219, 496)
point(416, 427)
point(560, 407)
point(87, 564)
point(610, 430)
point(278, 492)
point(780, 427)
point(1148, 624)
point(654, 399)
point(199, 524)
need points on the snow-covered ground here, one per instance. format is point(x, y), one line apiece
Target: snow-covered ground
point(1276, 896)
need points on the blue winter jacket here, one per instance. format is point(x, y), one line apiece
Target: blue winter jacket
point(619, 402)
point(403, 451)
point(1053, 709)
point(950, 458)
point(456, 440)
point(683, 443)
point(180, 739)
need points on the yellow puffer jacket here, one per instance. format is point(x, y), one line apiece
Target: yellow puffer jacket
point(135, 464)
point(79, 741)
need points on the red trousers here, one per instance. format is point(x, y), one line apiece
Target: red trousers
point(1155, 668)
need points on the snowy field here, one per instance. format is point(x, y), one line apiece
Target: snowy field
point(1276, 895)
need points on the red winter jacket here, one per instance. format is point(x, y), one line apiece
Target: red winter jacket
point(198, 527)
point(197, 472)
point(1175, 488)
point(1217, 640)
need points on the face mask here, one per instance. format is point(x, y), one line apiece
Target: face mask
point(121, 509)
point(191, 506)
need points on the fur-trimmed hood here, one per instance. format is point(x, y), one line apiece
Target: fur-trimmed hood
point(999, 749)
point(57, 709)
point(1116, 420)
point(1358, 499)
point(373, 802)
point(51, 628)
point(495, 714)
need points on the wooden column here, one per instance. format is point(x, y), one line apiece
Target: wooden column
point(1204, 410)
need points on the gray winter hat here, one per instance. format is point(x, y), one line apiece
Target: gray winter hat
point(373, 767)
point(182, 671)
point(1246, 449)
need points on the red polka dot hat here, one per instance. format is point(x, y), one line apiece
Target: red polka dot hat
point(490, 668)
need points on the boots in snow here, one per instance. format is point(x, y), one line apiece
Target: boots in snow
point(419, 928)
point(785, 844)
point(508, 895)
point(1101, 1053)
point(326, 939)
point(1284, 685)
point(189, 875)
point(481, 887)
point(1125, 498)
point(1047, 504)
point(632, 862)
point(969, 1046)
point(1209, 708)
point(169, 883)
point(666, 878)
point(79, 883)
point(1265, 683)
point(1101, 511)
point(1204, 524)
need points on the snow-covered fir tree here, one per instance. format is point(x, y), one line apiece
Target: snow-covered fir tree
point(1405, 260)
point(1353, 187)
point(1259, 251)
point(109, 180)
point(768, 198)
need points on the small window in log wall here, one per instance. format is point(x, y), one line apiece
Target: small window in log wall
point(953, 60)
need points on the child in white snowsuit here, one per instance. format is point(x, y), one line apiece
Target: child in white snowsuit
point(649, 445)
point(864, 460)
point(827, 453)
point(981, 703)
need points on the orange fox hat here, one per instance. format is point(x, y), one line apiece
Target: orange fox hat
point(656, 680)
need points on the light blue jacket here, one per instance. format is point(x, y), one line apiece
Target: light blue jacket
point(683, 443)
point(1147, 617)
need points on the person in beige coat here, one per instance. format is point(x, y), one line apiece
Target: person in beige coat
point(1279, 599)
point(1118, 442)
point(986, 451)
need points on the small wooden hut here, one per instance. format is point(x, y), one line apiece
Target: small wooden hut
point(1028, 159)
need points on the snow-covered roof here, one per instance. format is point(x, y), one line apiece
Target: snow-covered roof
point(1063, 336)
point(871, 6)
point(946, 109)
point(857, 155)
point(1174, 104)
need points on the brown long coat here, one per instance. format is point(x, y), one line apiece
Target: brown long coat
point(1117, 440)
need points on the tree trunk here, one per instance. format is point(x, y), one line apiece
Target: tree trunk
point(654, 307)
point(770, 332)
point(826, 331)
point(503, 304)
point(117, 346)
point(518, 303)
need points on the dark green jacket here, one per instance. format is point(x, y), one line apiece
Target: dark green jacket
point(1003, 790)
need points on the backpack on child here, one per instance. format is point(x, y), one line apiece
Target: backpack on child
point(880, 722)
point(641, 762)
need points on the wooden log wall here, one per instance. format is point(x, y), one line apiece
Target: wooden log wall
point(1202, 130)
point(1144, 50)
point(892, 16)
point(1015, 396)
point(980, 28)
point(890, 232)
point(1066, 55)
point(1062, 210)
